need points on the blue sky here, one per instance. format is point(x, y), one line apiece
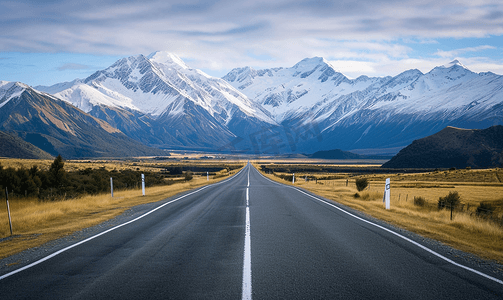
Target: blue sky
point(51, 41)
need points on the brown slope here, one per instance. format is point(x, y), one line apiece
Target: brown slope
point(453, 147)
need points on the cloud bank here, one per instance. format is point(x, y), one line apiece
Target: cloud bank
point(357, 36)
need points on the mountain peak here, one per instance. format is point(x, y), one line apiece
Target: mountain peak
point(311, 63)
point(167, 58)
point(454, 68)
point(454, 63)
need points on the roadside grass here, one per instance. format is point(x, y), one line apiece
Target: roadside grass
point(467, 231)
point(35, 223)
point(140, 164)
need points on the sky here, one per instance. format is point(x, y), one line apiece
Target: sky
point(44, 42)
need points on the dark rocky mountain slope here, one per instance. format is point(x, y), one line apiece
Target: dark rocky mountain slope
point(453, 148)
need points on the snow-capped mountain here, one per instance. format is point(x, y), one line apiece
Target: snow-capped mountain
point(188, 107)
point(288, 92)
point(365, 112)
point(58, 127)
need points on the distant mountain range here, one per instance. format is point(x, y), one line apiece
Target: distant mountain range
point(453, 148)
point(372, 113)
point(158, 101)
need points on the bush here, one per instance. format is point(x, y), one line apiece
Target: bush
point(361, 184)
point(485, 209)
point(419, 201)
point(356, 195)
point(188, 175)
point(450, 201)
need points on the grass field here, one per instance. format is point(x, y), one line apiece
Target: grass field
point(467, 231)
point(35, 223)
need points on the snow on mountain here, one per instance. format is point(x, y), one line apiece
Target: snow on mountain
point(214, 94)
point(10, 90)
point(288, 92)
point(155, 83)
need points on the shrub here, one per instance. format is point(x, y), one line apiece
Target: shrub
point(485, 209)
point(361, 184)
point(449, 201)
point(188, 175)
point(419, 201)
point(356, 195)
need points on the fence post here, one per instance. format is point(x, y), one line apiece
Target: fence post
point(8, 209)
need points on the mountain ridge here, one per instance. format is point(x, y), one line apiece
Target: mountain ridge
point(160, 101)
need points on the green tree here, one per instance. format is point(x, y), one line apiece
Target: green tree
point(57, 173)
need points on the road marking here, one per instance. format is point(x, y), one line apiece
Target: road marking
point(392, 232)
point(112, 229)
point(247, 284)
point(247, 288)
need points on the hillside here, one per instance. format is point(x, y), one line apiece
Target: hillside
point(58, 127)
point(16, 147)
point(453, 147)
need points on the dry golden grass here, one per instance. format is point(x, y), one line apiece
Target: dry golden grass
point(465, 232)
point(141, 164)
point(35, 223)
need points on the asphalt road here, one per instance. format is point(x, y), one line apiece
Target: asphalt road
point(248, 237)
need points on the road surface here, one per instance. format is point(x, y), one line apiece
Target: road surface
point(248, 237)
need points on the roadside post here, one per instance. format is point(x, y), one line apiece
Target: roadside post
point(293, 178)
point(143, 184)
point(386, 198)
point(112, 186)
point(207, 176)
point(8, 209)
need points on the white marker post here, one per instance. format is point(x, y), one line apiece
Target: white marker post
point(8, 209)
point(112, 186)
point(293, 178)
point(207, 176)
point(143, 184)
point(387, 194)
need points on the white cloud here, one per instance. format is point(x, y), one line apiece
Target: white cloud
point(456, 52)
point(361, 36)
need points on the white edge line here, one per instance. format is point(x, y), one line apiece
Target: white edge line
point(395, 233)
point(111, 229)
